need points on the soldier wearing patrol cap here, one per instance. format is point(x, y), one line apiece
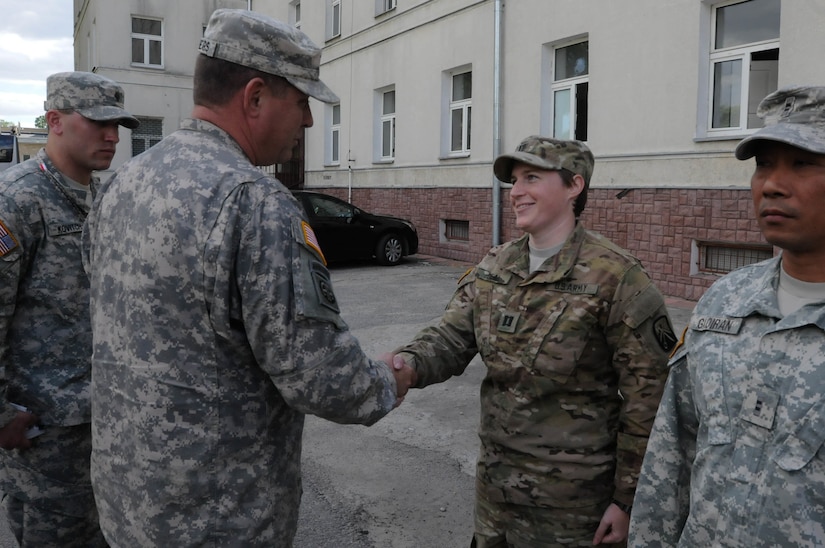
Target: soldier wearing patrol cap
point(575, 339)
point(737, 456)
point(45, 332)
point(216, 327)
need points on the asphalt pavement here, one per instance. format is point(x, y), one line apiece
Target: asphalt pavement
point(407, 481)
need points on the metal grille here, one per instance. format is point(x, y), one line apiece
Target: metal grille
point(457, 230)
point(724, 258)
point(147, 135)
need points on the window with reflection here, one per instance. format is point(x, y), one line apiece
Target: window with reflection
point(569, 90)
point(147, 42)
point(461, 107)
point(744, 62)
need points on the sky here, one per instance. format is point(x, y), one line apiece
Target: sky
point(35, 41)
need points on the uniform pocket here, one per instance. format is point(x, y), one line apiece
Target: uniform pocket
point(555, 346)
point(801, 446)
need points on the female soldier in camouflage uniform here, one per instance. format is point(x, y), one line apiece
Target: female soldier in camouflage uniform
point(575, 338)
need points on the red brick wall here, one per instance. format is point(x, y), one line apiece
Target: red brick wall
point(657, 225)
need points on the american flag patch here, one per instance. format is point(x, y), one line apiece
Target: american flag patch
point(311, 240)
point(7, 241)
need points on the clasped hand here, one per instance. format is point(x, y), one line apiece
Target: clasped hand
point(405, 376)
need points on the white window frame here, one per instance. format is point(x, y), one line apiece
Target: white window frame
point(451, 106)
point(147, 39)
point(385, 121)
point(333, 148)
point(552, 88)
point(743, 53)
point(295, 13)
point(333, 19)
point(383, 6)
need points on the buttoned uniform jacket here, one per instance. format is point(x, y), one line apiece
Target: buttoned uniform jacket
point(576, 357)
point(45, 335)
point(216, 329)
point(736, 456)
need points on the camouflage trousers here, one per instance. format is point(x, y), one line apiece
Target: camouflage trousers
point(47, 492)
point(505, 525)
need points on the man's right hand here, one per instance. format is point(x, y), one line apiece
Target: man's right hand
point(405, 376)
point(13, 435)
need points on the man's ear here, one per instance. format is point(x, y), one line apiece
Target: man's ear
point(253, 93)
point(54, 121)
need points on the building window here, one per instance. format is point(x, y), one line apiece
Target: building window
point(147, 135)
point(724, 257)
point(388, 125)
point(147, 42)
point(461, 112)
point(333, 18)
point(744, 63)
point(334, 140)
point(571, 67)
point(455, 231)
point(295, 13)
point(383, 6)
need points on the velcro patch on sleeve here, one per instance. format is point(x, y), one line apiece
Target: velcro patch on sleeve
point(8, 242)
point(310, 240)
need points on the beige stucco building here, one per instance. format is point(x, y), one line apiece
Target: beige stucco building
point(432, 90)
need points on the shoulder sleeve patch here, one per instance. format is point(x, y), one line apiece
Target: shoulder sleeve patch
point(308, 238)
point(664, 333)
point(8, 242)
point(323, 290)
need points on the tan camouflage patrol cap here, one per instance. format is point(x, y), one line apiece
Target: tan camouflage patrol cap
point(91, 95)
point(262, 43)
point(793, 115)
point(547, 153)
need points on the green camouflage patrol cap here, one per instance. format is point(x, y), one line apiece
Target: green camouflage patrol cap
point(793, 115)
point(259, 42)
point(91, 95)
point(546, 153)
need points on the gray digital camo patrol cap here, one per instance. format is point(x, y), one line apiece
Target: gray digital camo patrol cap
point(268, 45)
point(793, 115)
point(91, 95)
point(546, 153)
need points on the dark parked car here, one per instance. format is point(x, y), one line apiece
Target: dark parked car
point(346, 232)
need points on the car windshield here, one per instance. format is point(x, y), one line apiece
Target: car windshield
point(324, 207)
point(6, 148)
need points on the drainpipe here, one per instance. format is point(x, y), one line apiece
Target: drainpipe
point(350, 161)
point(249, 5)
point(497, 120)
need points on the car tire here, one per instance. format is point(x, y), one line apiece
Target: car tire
point(390, 250)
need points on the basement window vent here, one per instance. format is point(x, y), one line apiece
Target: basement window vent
point(456, 231)
point(724, 257)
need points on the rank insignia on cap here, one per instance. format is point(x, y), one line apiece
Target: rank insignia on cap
point(7, 240)
point(311, 240)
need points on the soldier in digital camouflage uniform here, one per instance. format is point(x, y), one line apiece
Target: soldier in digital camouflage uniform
point(736, 457)
point(575, 338)
point(216, 327)
point(45, 333)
